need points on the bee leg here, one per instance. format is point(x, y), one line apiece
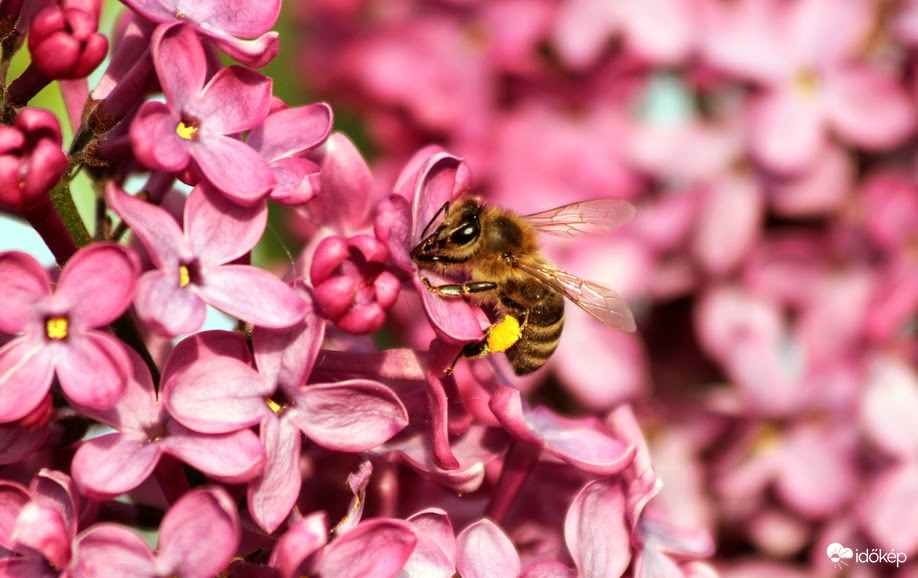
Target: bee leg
point(459, 289)
point(500, 336)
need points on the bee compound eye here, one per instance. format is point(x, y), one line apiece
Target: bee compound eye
point(465, 234)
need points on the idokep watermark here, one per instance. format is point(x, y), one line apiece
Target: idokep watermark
point(839, 555)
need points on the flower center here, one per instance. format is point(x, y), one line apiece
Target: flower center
point(57, 327)
point(189, 273)
point(278, 402)
point(184, 277)
point(807, 82)
point(186, 129)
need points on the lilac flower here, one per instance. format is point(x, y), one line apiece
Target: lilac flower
point(281, 139)
point(194, 126)
point(351, 415)
point(195, 267)
point(115, 463)
point(57, 330)
point(31, 159)
point(378, 547)
point(227, 23)
point(197, 538)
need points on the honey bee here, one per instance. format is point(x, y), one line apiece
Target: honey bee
point(497, 251)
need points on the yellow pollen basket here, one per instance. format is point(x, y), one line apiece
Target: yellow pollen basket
point(186, 131)
point(184, 277)
point(502, 335)
point(275, 407)
point(57, 327)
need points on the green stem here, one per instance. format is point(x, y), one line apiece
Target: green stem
point(66, 208)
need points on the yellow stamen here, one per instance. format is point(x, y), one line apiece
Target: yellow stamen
point(275, 407)
point(57, 327)
point(807, 82)
point(186, 131)
point(184, 277)
point(503, 335)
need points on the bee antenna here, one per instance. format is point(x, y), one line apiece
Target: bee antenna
point(444, 209)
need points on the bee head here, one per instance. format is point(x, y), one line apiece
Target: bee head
point(455, 238)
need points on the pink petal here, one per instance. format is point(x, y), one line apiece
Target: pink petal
point(298, 543)
point(110, 465)
point(93, 369)
point(253, 295)
point(234, 100)
point(580, 442)
point(662, 31)
point(203, 344)
point(272, 495)
point(346, 186)
point(97, 284)
point(582, 29)
point(13, 498)
point(255, 53)
point(287, 356)
point(595, 530)
point(351, 416)
point(239, 401)
point(822, 190)
point(168, 309)
point(378, 548)
point(297, 181)
point(787, 131)
point(827, 32)
point(548, 570)
point(17, 443)
point(34, 567)
point(484, 550)
point(42, 529)
point(25, 286)
point(887, 508)
point(246, 20)
point(869, 108)
point(233, 167)
point(889, 406)
point(231, 457)
point(26, 369)
point(435, 554)
point(56, 490)
point(154, 140)
point(728, 224)
point(181, 65)
point(156, 229)
point(810, 457)
point(218, 230)
point(292, 131)
point(113, 550)
point(200, 534)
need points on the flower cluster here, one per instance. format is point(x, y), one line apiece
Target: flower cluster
point(332, 428)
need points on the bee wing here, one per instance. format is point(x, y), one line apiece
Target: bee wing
point(602, 302)
point(593, 217)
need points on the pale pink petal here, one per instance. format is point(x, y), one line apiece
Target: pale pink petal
point(582, 30)
point(55, 489)
point(253, 295)
point(13, 498)
point(181, 65)
point(214, 343)
point(728, 223)
point(219, 230)
point(292, 131)
point(548, 570)
point(169, 310)
point(233, 167)
point(26, 369)
point(97, 284)
point(255, 53)
point(483, 550)
point(435, 554)
point(378, 548)
point(108, 549)
point(217, 394)
point(298, 543)
point(93, 369)
point(199, 534)
point(42, 529)
point(351, 416)
point(661, 31)
point(110, 465)
point(245, 20)
point(25, 286)
point(889, 406)
point(234, 100)
point(811, 456)
point(581, 442)
point(888, 506)
point(231, 457)
point(595, 530)
point(160, 235)
point(272, 495)
point(869, 108)
point(154, 139)
point(787, 130)
point(820, 191)
point(824, 31)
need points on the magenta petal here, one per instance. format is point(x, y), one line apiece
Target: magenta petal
point(93, 369)
point(272, 495)
point(297, 181)
point(26, 369)
point(97, 284)
point(580, 442)
point(351, 416)
point(168, 309)
point(286, 356)
point(231, 457)
point(217, 395)
point(110, 465)
point(13, 498)
point(298, 543)
point(154, 140)
point(234, 100)
point(346, 186)
point(292, 131)
point(595, 530)
point(24, 285)
point(548, 570)
point(442, 178)
point(870, 108)
point(113, 550)
point(181, 65)
point(41, 528)
point(199, 534)
point(435, 555)
point(233, 167)
point(393, 228)
point(453, 319)
point(253, 295)
point(17, 443)
point(378, 548)
point(203, 344)
point(219, 230)
point(484, 550)
point(255, 53)
point(246, 20)
point(160, 235)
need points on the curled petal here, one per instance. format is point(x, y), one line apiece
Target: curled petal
point(110, 465)
point(13, 497)
point(25, 285)
point(595, 530)
point(255, 53)
point(253, 295)
point(379, 548)
point(17, 443)
point(97, 284)
point(111, 549)
point(41, 528)
point(297, 181)
point(199, 534)
point(292, 131)
point(484, 550)
point(353, 415)
point(298, 543)
point(93, 369)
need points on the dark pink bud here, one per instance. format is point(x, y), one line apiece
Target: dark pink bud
point(64, 41)
point(352, 286)
point(31, 159)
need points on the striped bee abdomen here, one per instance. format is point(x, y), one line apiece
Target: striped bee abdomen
point(541, 311)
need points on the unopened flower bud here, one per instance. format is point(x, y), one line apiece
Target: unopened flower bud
point(65, 42)
point(31, 159)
